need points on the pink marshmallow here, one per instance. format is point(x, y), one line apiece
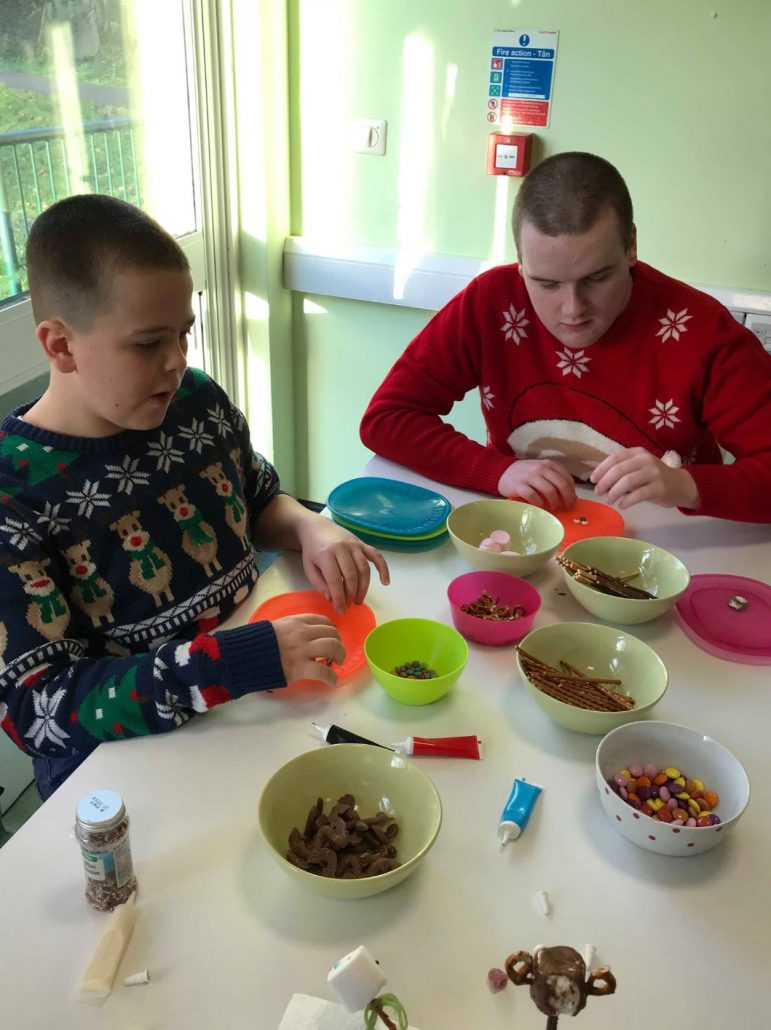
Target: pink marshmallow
point(500, 536)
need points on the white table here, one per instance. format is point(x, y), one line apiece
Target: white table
point(228, 937)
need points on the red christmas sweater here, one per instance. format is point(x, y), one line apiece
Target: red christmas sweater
point(675, 372)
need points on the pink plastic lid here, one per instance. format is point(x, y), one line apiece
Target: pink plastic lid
point(720, 629)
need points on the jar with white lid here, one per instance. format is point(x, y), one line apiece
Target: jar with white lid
point(102, 830)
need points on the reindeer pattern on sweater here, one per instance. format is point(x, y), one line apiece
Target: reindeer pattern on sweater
point(118, 558)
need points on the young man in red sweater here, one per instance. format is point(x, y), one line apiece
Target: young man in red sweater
point(590, 366)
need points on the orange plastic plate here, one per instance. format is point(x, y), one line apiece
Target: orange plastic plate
point(353, 625)
point(602, 520)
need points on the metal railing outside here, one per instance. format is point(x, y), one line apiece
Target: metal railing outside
point(34, 173)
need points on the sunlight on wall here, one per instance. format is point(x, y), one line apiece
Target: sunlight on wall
point(310, 307)
point(327, 57)
point(416, 157)
point(450, 82)
point(257, 310)
point(501, 220)
point(158, 88)
point(68, 101)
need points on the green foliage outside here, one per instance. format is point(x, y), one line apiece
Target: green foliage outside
point(34, 173)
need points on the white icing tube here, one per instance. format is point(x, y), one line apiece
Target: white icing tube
point(98, 978)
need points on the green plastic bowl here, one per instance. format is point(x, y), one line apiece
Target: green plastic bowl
point(380, 781)
point(408, 640)
point(662, 574)
point(597, 651)
point(535, 533)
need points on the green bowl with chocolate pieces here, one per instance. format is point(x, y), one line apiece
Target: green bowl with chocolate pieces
point(349, 820)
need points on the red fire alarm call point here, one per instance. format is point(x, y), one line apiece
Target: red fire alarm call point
point(508, 153)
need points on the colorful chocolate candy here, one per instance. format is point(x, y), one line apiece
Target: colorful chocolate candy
point(666, 795)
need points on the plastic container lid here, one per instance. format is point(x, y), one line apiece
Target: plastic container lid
point(706, 617)
point(100, 809)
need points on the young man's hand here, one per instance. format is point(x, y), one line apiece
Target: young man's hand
point(634, 474)
point(541, 481)
point(337, 563)
point(305, 644)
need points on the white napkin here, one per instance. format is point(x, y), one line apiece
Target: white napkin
point(306, 1013)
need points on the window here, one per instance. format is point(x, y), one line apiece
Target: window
point(95, 96)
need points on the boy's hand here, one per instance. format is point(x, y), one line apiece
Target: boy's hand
point(302, 640)
point(337, 563)
point(544, 482)
point(634, 474)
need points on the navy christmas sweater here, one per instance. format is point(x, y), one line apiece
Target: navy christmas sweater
point(118, 558)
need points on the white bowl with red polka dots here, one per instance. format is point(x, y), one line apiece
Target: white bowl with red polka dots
point(696, 756)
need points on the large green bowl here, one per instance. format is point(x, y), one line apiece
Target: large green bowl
point(380, 780)
point(535, 533)
point(661, 573)
point(401, 641)
point(600, 651)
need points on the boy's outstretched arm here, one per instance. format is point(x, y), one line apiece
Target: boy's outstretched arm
point(335, 561)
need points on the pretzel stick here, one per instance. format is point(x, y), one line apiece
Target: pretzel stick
point(573, 687)
point(616, 586)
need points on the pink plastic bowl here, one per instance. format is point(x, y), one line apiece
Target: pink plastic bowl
point(502, 587)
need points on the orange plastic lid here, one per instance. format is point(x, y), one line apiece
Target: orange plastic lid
point(601, 520)
point(353, 625)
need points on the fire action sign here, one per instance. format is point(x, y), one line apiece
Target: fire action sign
point(520, 77)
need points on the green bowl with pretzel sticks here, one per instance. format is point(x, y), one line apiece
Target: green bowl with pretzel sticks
point(628, 566)
point(554, 659)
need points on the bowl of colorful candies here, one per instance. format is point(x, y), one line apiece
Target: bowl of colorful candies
point(619, 579)
point(669, 788)
point(504, 536)
point(416, 661)
point(350, 820)
point(590, 678)
point(493, 608)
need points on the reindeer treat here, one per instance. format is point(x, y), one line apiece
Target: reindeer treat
point(558, 982)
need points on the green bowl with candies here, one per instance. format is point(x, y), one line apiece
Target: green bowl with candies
point(700, 760)
point(403, 644)
point(533, 535)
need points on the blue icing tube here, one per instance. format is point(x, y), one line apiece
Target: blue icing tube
point(517, 811)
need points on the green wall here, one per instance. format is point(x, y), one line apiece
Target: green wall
point(674, 93)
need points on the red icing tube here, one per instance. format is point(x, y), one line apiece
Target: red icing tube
point(441, 747)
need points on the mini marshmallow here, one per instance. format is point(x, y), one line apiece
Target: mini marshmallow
point(357, 979)
point(512, 554)
point(490, 545)
point(500, 536)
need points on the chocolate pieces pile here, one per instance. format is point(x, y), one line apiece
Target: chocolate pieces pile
point(342, 844)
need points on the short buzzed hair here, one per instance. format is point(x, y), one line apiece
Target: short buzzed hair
point(566, 194)
point(76, 246)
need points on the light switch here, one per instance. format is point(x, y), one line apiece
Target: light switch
point(760, 325)
point(369, 136)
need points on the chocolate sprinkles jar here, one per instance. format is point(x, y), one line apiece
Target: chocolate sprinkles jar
point(102, 830)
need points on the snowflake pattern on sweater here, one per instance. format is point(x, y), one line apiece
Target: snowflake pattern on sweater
point(674, 372)
point(118, 558)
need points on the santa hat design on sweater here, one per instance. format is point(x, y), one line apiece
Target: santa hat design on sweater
point(570, 433)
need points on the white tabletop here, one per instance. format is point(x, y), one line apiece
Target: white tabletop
point(228, 937)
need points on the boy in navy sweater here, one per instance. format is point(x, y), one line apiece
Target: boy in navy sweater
point(130, 500)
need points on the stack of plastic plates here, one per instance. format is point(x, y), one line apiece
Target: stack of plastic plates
point(388, 513)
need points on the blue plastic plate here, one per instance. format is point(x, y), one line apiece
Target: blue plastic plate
point(389, 543)
point(389, 505)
